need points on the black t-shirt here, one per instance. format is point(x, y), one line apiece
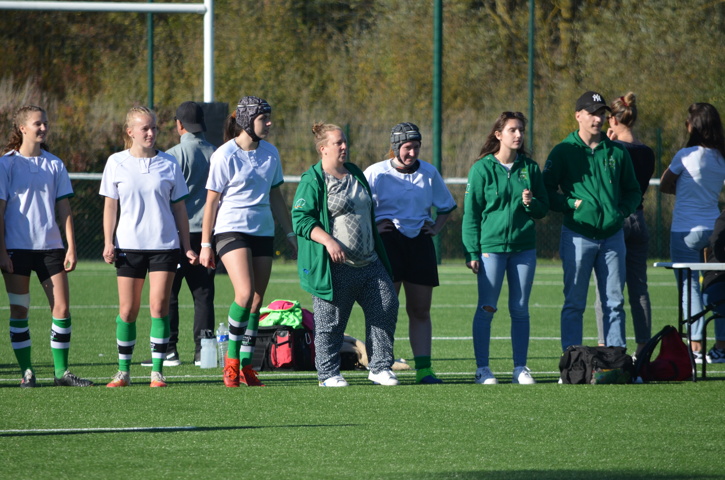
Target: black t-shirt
point(643, 160)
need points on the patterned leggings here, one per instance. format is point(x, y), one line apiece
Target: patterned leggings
point(371, 287)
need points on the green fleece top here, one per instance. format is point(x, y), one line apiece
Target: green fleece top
point(309, 210)
point(604, 180)
point(495, 219)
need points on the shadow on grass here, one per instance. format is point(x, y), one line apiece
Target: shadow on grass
point(87, 431)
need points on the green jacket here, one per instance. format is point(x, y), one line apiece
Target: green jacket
point(602, 178)
point(309, 210)
point(495, 218)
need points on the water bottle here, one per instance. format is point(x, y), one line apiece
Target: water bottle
point(222, 342)
point(208, 356)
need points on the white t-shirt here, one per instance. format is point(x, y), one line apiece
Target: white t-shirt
point(30, 187)
point(701, 174)
point(407, 198)
point(244, 179)
point(145, 189)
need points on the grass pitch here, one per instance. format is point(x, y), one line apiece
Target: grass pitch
point(294, 429)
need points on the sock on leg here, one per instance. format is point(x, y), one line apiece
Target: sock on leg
point(249, 340)
point(422, 361)
point(160, 332)
point(126, 340)
point(60, 333)
point(238, 319)
point(20, 341)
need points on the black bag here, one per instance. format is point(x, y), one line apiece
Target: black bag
point(580, 364)
point(280, 347)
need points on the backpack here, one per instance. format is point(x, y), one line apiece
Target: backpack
point(673, 362)
point(580, 364)
point(285, 338)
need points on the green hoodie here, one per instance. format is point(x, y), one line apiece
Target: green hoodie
point(309, 210)
point(495, 219)
point(602, 178)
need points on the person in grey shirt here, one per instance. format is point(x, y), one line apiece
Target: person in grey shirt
point(193, 154)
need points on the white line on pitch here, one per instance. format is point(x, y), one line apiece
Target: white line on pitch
point(81, 430)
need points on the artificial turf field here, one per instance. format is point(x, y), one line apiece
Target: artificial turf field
point(293, 429)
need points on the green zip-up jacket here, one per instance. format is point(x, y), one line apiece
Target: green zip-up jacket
point(495, 219)
point(309, 210)
point(602, 178)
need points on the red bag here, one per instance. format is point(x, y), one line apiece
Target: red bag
point(673, 361)
point(281, 353)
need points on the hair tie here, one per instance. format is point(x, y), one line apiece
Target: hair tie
point(623, 102)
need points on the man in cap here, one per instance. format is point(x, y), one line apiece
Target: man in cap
point(591, 180)
point(193, 154)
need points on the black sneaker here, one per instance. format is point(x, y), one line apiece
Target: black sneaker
point(171, 360)
point(28, 380)
point(70, 380)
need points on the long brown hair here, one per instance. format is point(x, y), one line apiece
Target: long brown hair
point(16, 136)
point(705, 127)
point(492, 144)
point(231, 128)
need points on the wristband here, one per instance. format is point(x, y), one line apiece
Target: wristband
point(206, 245)
point(291, 234)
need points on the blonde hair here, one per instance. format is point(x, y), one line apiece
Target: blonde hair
point(320, 131)
point(133, 113)
point(16, 137)
point(624, 109)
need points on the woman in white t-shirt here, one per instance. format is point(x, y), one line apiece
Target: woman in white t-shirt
point(696, 177)
point(243, 199)
point(34, 188)
point(405, 190)
point(148, 188)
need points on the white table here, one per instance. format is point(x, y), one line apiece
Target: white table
point(685, 268)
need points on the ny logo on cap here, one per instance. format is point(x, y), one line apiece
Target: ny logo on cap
point(597, 98)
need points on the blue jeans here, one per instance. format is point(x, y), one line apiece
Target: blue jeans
point(687, 247)
point(715, 293)
point(636, 241)
point(519, 268)
point(579, 256)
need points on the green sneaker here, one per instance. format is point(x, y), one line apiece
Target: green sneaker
point(426, 376)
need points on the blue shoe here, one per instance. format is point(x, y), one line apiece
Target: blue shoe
point(426, 376)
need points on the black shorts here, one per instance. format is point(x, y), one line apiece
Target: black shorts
point(135, 263)
point(412, 259)
point(228, 241)
point(45, 263)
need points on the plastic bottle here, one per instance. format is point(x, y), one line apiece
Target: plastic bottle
point(208, 356)
point(222, 342)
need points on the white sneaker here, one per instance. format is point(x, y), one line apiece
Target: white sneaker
point(485, 377)
point(698, 357)
point(336, 381)
point(522, 375)
point(383, 377)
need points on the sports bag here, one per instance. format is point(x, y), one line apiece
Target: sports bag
point(280, 347)
point(673, 362)
point(285, 312)
point(580, 364)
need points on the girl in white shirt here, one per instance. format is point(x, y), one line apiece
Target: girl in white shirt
point(148, 187)
point(34, 187)
point(696, 177)
point(242, 197)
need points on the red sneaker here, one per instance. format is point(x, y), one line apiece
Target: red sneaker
point(249, 377)
point(231, 372)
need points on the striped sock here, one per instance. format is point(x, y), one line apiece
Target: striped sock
point(249, 340)
point(60, 344)
point(20, 341)
point(126, 340)
point(238, 319)
point(160, 333)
